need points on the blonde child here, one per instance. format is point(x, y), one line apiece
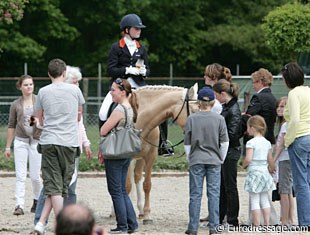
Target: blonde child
point(258, 162)
point(285, 178)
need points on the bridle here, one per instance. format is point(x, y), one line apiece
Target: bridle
point(186, 101)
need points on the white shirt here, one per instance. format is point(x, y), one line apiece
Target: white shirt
point(131, 45)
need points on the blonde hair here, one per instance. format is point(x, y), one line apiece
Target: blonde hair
point(204, 104)
point(264, 75)
point(258, 123)
point(281, 120)
point(230, 88)
point(216, 72)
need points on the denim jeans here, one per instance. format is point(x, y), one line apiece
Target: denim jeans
point(299, 152)
point(116, 173)
point(229, 200)
point(197, 173)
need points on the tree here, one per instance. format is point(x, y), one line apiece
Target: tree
point(11, 10)
point(28, 40)
point(234, 34)
point(176, 34)
point(287, 30)
point(187, 33)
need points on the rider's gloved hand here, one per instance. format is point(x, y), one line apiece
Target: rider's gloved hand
point(142, 70)
point(132, 70)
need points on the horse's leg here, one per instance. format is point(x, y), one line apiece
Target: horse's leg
point(130, 175)
point(134, 178)
point(147, 184)
point(138, 175)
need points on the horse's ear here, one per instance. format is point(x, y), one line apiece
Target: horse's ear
point(192, 93)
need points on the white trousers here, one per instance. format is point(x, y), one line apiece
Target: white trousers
point(23, 151)
point(104, 109)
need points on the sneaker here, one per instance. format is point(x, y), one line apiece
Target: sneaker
point(213, 232)
point(190, 232)
point(117, 231)
point(205, 219)
point(18, 211)
point(132, 230)
point(39, 229)
point(34, 206)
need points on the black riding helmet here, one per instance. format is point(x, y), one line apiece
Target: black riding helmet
point(131, 20)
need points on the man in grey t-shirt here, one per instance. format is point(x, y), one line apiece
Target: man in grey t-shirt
point(58, 108)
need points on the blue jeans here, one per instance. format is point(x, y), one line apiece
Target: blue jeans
point(299, 152)
point(116, 173)
point(39, 208)
point(213, 181)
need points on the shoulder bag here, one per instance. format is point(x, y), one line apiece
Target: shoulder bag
point(122, 142)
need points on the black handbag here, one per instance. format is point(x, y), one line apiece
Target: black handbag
point(121, 143)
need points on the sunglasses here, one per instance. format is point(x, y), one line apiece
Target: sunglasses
point(119, 82)
point(285, 68)
point(32, 119)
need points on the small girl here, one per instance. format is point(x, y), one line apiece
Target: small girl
point(258, 181)
point(285, 178)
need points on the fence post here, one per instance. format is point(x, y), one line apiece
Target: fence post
point(85, 93)
point(171, 74)
point(99, 86)
point(25, 68)
point(237, 69)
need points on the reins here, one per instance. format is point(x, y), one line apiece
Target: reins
point(186, 101)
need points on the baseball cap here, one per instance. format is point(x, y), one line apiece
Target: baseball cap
point(206, 94)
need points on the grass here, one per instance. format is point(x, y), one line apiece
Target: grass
point(176, 162)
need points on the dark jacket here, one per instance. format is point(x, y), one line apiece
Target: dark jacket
point(231, 113)
point(264, 104)
point(120, 58)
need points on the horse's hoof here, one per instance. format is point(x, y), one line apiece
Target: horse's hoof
point(147, 221)
point(141, 216)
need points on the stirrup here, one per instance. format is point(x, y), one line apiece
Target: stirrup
point(166, 148)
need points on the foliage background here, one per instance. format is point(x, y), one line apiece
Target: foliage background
point(186, 33)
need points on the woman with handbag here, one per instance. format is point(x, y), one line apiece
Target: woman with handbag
point(117, 168)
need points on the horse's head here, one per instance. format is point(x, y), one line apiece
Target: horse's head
point(158, 103)
point(189, 106)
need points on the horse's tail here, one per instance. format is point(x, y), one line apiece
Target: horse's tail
point(134, 104)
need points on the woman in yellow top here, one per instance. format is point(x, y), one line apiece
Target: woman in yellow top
point(297, 138)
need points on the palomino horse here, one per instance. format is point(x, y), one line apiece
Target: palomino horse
point(155, 104)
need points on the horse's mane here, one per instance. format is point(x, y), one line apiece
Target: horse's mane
point(160, 87)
